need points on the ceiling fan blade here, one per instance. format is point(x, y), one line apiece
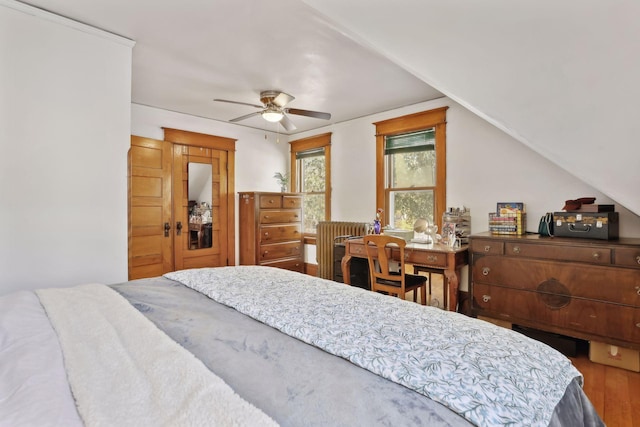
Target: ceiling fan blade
point(282, 99)
point(308, 113)
point(239, 103)
point(287, 123)
point(246, 116)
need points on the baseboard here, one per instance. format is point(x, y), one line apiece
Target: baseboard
point(311, 269)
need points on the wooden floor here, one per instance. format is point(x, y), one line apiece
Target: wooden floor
point(614, 392)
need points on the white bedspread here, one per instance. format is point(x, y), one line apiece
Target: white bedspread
point(489, 375)
point(31, 367)
point(124, 371)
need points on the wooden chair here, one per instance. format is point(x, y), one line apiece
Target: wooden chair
point(378, 247)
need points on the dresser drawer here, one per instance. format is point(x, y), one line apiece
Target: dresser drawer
point(293, 265)
point(620, 286)
point(486, 246)
point(280, 250)
point(268, 201)
point(591, 255)
point(280, 216)
point(292, 202)
point(279, 233)
point(628, 257)
point(573, 314)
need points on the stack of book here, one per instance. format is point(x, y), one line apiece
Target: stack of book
point(509, 218)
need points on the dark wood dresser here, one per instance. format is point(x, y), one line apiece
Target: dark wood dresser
point(587, 289)
point(271, 230)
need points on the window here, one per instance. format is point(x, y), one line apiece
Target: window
point(311, 175)
point(410, 171)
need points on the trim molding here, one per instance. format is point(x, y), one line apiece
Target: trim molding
point(67, 22)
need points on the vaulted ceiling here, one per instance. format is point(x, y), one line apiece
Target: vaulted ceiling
point(558, 76)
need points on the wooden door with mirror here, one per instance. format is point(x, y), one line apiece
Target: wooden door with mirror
point(181, 203)
point(199, 209)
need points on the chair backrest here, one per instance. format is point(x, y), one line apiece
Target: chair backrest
point(379, 246)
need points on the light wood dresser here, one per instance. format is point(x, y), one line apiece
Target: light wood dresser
point(271, 230)
point(587, 289)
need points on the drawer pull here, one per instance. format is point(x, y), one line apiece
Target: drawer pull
point(266, 234)
point(487, 248)
point(486, 298)
point(485, 271)
point(637, 325)
point(267, 217)
point(432, 258)
point(638, 259)
point(516, 249)
point(638, 290)
point(596, 255)
point(271, 201)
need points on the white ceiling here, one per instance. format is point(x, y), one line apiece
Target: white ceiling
point(559, 76)
point(189, 52)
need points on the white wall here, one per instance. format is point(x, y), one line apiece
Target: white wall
point(259, 153)
point(484, 166)
point(64, 134)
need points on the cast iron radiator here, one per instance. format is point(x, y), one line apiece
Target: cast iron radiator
point(327, 232)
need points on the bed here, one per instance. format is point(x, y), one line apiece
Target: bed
point(253, 345)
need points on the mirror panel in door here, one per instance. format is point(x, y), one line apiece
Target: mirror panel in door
point(200, 204)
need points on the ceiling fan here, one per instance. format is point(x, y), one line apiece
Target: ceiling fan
point(273, 109)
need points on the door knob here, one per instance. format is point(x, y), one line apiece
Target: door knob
point(179, 228)
point(167, 227)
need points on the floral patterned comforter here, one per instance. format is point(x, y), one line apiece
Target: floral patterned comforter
point(488, 375)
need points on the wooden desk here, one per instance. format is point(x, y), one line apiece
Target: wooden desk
point(441, 257)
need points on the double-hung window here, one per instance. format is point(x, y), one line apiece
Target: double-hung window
point(311, 175)
point(411, 178)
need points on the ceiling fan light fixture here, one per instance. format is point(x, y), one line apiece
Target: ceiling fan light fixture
point(272, 115)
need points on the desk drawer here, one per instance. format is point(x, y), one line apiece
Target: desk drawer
point(431, 259)
point(276, 216)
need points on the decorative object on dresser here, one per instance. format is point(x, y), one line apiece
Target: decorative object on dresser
point(509, 218)
point(582, 288)
point(271, 230)
point(582, 218)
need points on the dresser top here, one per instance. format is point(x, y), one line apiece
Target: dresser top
point(536, 238)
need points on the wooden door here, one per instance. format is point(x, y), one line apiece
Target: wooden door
point(149, 181)
point(186, 254)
